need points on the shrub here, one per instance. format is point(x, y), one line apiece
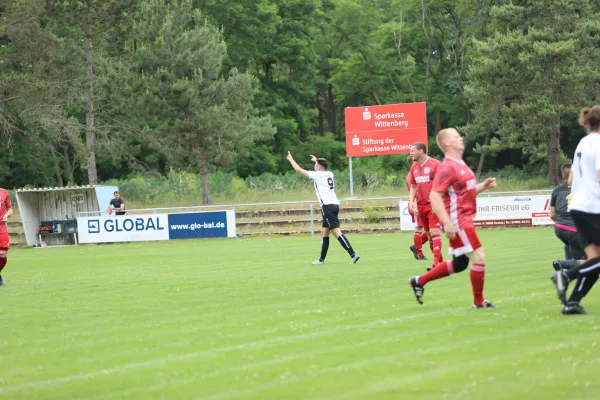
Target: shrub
point(372, 213)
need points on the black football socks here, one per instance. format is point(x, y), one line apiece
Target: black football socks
point(346, 245)
point(324, 248)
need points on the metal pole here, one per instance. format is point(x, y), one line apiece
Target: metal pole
point(312, 220)
point(234, 217)
point(351, 179)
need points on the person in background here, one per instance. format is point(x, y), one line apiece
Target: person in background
point(421, 176)
point(585, 211)
point(116, 204)
point(453, 199)
point(420, 237)
point(323, 180)
point(564, 226)
point(6, 211)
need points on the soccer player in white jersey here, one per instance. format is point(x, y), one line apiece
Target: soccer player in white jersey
point(585, 211)
point(330, 205)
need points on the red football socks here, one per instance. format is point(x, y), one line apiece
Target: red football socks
point(477, 281)
point(440, 271)
point(417, 239)
point(3, 261)
point(437, 249)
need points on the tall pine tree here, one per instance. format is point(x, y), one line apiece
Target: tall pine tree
point(540, 65)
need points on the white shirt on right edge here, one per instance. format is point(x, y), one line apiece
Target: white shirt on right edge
point(324, 186)
point(585, 191)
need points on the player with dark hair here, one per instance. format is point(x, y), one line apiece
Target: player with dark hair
point(420, 237)
point(6, 211)
point(117, 204)
point(330, 205)
point(421, 176)
point(585, 210)
point(453, 198)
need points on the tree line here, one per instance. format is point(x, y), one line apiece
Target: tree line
point(93, 90)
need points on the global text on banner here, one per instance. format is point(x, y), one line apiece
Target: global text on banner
point(134, 228)
point(139, 228)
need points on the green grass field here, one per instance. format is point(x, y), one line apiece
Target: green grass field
point(253, 319)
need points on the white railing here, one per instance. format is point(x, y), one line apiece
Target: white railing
point(311, 203)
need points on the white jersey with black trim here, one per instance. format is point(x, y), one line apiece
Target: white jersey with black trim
point(585, 191)
point(324, 186)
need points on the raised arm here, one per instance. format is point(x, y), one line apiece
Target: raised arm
point(295, 165)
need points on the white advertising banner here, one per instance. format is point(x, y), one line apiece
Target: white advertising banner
point(140, 228)
point(500, 211)
point(124, 228)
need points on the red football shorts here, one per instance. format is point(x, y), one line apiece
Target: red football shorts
point(427, 218)
point(465, 241)
point(4, 241)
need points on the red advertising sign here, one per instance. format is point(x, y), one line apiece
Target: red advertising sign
point(389, 129)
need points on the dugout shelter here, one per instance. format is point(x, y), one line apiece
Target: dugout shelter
point(49, 215)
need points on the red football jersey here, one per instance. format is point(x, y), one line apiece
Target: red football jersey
point(423, 175)
point(458, 183)
point(4, 205)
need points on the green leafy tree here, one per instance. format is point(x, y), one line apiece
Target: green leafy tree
point(540, 65)
point(174, 63)
point(37, 71)
point(275, 40)
point(90, 26)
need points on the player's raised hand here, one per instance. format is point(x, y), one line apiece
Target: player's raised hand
point(449, 230)
point(313, 158)
point(490, 183)
point(289, 157)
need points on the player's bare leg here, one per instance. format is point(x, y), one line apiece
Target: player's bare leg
point(3, 261)
point(324, 246)
point(337, 232)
